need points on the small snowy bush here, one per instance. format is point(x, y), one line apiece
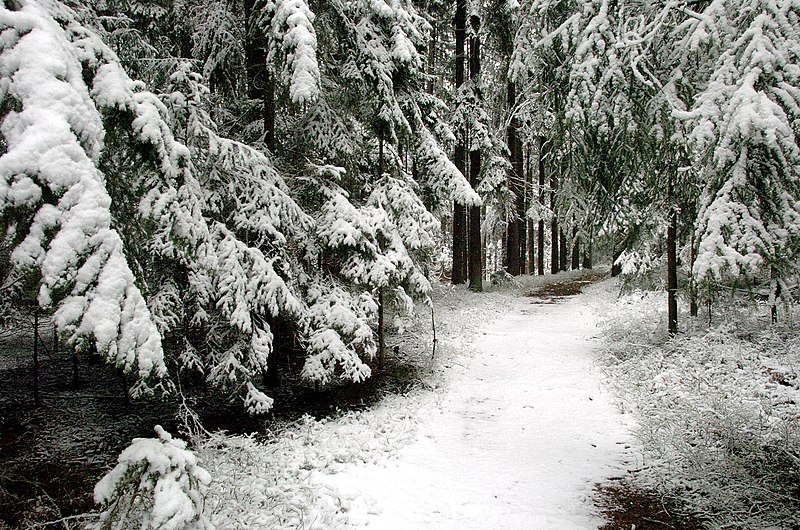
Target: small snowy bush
point(156, 485)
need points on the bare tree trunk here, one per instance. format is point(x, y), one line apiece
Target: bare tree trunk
point(692, 283)
point(562, 251)
point(540, 232)
point(514, 184)
point(460, 211)
point(522, 223)
point(475, 254)
point(554, 257)
point(431, 58)
point(259, 80)
point(381, 330)
point(672, 266)
point(587, 252)
point(269, 110)
point(576, 249)
point(37, 401)
point(774, 295)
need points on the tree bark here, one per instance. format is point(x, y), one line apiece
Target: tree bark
point(576, 249)
point(522, 223)
point(37, 401)
point(475, 252)
point(554, 257)
point(430, 85)
point(616, 269)
point(692, 283)
point(460, 211)
point(259, 81)
point(540, 232)
point(562, 251)
point(381, 330)
point(672, 267)
point(269, 111)
point(514, 236)
point(587, 254)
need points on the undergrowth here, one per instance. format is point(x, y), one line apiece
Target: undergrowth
point(718, 407)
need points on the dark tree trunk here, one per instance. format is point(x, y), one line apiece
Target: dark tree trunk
point(37, 401)
point(381, 330)
point(269, 111)
point(259, 80)
point(430, 85)
point(775, 295)
point(672, 267)
point(460, 211)
point(522, 224)
point(616, 269)
point(475, 251)
point(75, 378)
point(692, 283)
point(562, 251)
point(587, 254)
point(554, 255)
point(576, 249)
point(531, 269)
point(540, 232)
point(554, 258)
point(513, 239)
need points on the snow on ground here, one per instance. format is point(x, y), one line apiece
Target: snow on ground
point(512, 428)
point(518, 440)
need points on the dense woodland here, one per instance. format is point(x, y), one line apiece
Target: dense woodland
point(203, 188)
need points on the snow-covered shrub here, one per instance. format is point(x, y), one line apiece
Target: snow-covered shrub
point(717, 411)
point(157, 484)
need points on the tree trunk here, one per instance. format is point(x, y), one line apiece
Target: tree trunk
point(259, 80)
point(692, 283)
point(554, 257)
point(672, 270)
point(475, 254)
point(540, 232)
point(531, 269)
point(430, 85)
point(269, 111)
point(522, 223)
point(514, 236)
point(381, 330)
point(587, 252)
point(37, 401)
point(616, 269)
point(562, 251)
point(460, 211)
point(576, 249)
point(774, 295)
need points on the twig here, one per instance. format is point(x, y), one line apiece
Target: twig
point(65, 520)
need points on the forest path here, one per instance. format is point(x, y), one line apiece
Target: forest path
point(518, 440)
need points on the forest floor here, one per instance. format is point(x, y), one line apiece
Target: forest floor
point(509, 426)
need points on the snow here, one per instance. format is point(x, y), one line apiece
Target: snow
point(157, 482)
point(292, 25)
point(510, 427)
point(518, 441)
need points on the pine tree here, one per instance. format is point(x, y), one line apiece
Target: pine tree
point(747, 148)
point(54, 198)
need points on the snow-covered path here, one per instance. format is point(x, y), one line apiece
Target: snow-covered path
point(517, 441)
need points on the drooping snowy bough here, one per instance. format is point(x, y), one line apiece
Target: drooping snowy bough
point(53, 201)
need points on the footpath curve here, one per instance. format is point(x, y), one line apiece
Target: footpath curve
point(518, 440)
